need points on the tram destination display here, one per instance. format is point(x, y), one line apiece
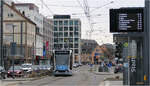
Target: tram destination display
point(127, 20)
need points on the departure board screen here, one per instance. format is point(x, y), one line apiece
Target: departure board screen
point(126, 20)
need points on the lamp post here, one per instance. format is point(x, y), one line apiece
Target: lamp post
point(13, 26)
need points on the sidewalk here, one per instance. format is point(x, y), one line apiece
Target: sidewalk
point(112, 79)
point(112, 83)
point(13, 82)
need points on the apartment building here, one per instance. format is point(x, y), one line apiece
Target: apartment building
point(47, 40)
point(23, 35)
point(32, 11)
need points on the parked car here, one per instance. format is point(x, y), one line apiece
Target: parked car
point(27, 67)
point(17, 71)
point(43, 67)
point(118, 68)
point(35, 68)
point(48, 67)
point(2, 73)
point(75, 65)
point(80, 64)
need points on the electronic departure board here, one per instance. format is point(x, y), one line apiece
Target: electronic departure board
point(127, 20)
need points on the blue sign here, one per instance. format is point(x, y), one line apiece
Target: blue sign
point(44, 52)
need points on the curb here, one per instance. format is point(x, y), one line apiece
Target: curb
point(103, 73)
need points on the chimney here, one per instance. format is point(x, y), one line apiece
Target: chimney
point(13, 4)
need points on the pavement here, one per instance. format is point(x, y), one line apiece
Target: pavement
point(112, 83)
point(13, 82)
point(112, 79)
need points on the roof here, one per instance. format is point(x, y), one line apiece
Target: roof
point(25, 4)
point(14, 9)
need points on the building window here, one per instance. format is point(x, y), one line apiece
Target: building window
point(8, 38)
point(76, 40)
point(60, 39)
point(65, 22)
point(76, 34)
point(10, 15)
point(60, 34)
point(76, 29)
point(55, 22)
point(66, 40)
point(76, 46)
point(60, 23)
point(65, 28)
point(76, 22)
point(55, 39)
point(66, 46)
point(9, 27)
point(60, 28)
point(55, 34)
point(70, 22)
point(70, 45)
point(71, 40)
point(60, 46)
point(55, 45)
point(71, 28)
point(65, 34)
point(71, 34)
point(76, 51)
point(55, 29)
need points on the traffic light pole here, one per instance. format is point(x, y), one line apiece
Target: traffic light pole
point(1, 33)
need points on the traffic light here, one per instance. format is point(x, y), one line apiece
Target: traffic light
point(119, 48)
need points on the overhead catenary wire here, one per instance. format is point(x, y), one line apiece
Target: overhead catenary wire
point(47, 7)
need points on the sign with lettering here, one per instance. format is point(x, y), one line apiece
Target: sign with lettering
point(127, 20)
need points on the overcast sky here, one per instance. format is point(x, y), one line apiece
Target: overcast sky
point(99, 11)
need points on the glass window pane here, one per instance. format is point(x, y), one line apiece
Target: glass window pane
point(76, 34)
point(76, 51)
point(60, 34)
point(71, 40)
point(70, 22)
point(76, 22)
point(66, 34)
point(60, 39)
point(55, 39)
point(76, 29)
point(66, 22)
point(65, 28)
point(71, 28)
point(60, 23)
point(71, 45)
point(55, 29)
point(76, 46)
point(66, 40)
point(55, 34)
point(76, 40)
point(60, 28)
point(71, 34)
point(55, 22)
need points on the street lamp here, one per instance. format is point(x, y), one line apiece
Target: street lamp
point(13, 26)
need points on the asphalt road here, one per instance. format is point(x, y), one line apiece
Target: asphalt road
point(81, 77)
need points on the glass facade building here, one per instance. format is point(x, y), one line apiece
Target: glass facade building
point(67, 34)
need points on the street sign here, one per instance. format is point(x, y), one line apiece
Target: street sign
point(127, 20)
